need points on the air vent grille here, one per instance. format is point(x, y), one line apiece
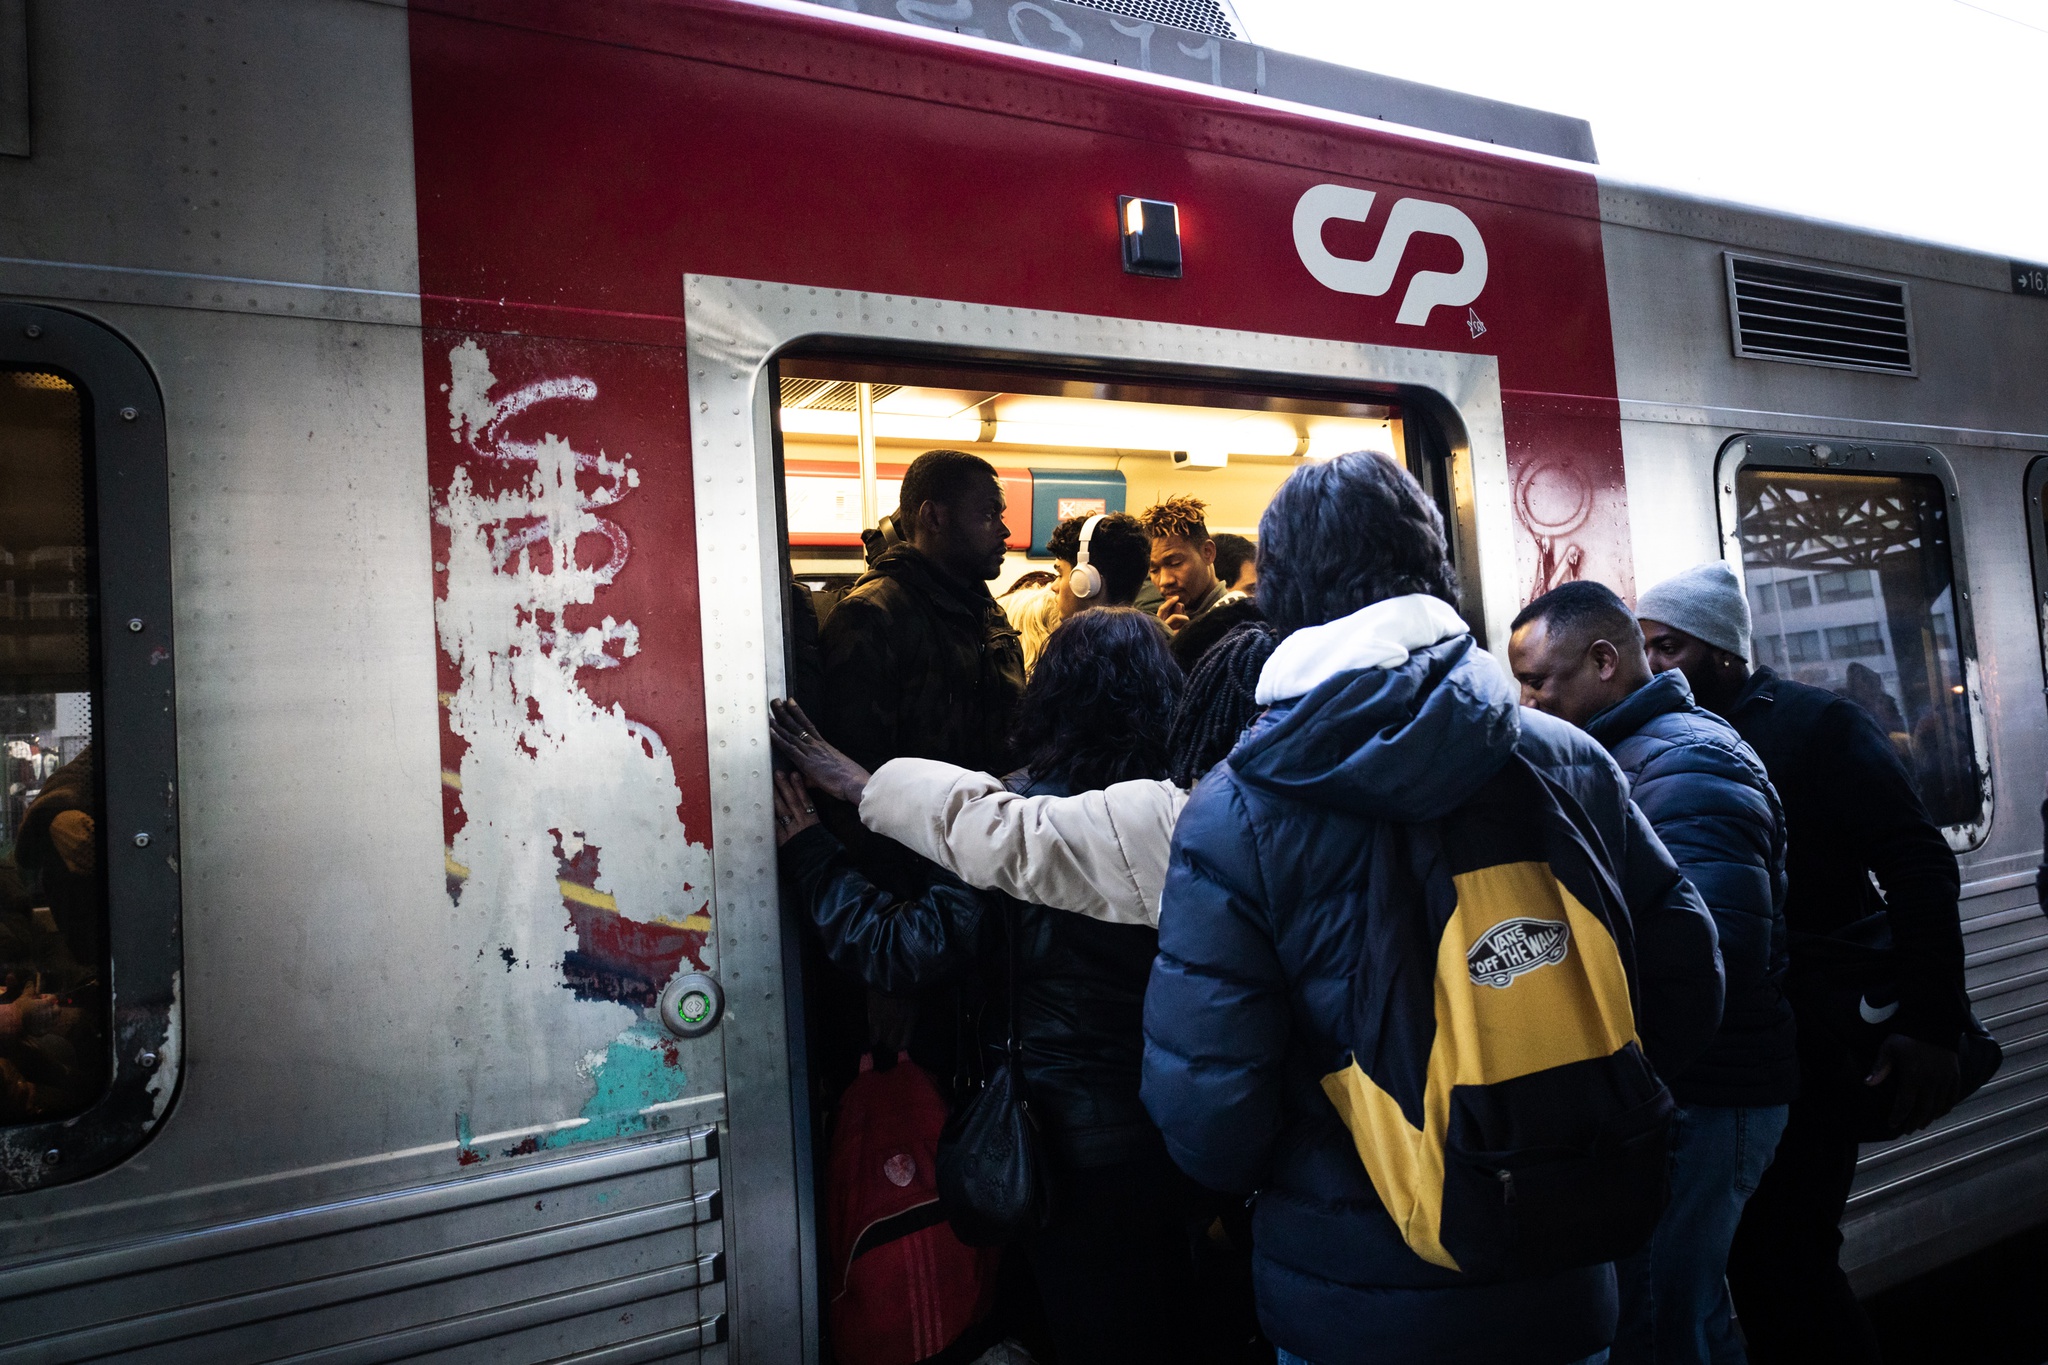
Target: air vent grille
point(1200, 16)
point(1819, 317)
point(828, 395)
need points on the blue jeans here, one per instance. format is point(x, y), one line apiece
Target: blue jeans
point(1288, 1357)
point(1674, 1293)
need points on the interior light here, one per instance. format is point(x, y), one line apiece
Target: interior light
point(1326, 441)
point(1203, 437)
point(1151, 236)
point(888, 426)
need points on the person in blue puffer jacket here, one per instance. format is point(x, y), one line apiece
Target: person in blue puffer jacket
point(1380, 707)
point(1579, 655)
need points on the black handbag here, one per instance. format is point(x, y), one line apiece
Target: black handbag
point(993, 1179)
point(1844, 986)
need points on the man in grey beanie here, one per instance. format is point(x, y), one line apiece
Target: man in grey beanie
point(1706, 603)
point(1851, 814)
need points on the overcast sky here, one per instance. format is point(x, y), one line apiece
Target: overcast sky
point(1921, 117)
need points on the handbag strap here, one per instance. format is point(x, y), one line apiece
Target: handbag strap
point(1010, 937)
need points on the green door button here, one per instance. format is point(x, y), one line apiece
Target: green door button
point(691, 1005)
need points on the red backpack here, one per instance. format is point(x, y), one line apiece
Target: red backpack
point(902, 1286)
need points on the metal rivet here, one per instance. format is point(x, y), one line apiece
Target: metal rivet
point(32, 331)
point(147, 1061)
point(135, 624)
point(51, 1157)
point(128, 414)
point(142, 840)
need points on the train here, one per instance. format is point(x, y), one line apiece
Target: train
point(417, 416)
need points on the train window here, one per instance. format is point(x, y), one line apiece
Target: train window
point(54, 1037)
point(2037, 540)
point(88, 915)
point(1851, 558)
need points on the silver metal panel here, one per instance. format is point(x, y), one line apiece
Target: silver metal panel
point(1667, 212)
point(1977, 345)
point(228, 184)
point(1975, 1176)
point(265, 139)
point(735, 327)
point(525, 1265)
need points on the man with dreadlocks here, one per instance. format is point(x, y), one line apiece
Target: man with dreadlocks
point(1184, 561)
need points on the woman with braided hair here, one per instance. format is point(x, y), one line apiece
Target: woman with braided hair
point(1100, 853)
point(1218, 703)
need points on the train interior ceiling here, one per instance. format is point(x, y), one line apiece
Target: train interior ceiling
point(1063, 446)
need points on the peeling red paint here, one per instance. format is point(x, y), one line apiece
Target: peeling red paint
point(616, 958)
point(622, 959)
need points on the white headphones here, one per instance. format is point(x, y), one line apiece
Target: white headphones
point(1086, 580)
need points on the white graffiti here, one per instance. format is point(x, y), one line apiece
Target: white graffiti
point(1347, 275)
point(546, 767)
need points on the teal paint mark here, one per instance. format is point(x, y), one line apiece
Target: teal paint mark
point(639, 1069)
point(466, 1153)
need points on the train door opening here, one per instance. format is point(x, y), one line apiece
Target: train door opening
point(1065, 445)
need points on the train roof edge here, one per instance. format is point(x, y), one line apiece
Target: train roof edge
point(1122, 33)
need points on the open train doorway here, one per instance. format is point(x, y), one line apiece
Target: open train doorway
point(1066, 445)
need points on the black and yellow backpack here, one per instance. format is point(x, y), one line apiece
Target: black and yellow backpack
point(1501, 1102)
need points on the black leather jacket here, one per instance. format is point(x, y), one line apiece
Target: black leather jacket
point(1080, 985)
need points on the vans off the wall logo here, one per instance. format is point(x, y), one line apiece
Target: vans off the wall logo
point(1515, 946)
point(1429, 288)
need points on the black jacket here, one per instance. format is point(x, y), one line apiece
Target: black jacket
point(1850, 812)
point(1705, 793)
point(920, 664)
point(1080, 986)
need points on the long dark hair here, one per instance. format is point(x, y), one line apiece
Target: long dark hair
point(1100, 702)
point(1345, 534)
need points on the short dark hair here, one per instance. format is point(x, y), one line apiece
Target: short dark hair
point(938, 476)
point(1099, 703)
point(1179, 517)
point(1119, 547)
point(1345, 533)
point(1233, 552)
point(1582, 609)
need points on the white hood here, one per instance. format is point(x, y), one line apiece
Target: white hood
point(1382, 635)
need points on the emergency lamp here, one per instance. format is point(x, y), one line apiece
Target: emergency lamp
point(1151, 232)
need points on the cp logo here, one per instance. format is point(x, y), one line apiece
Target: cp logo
point(1429, 289)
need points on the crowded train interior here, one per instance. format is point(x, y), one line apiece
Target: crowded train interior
point(1064, 445)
